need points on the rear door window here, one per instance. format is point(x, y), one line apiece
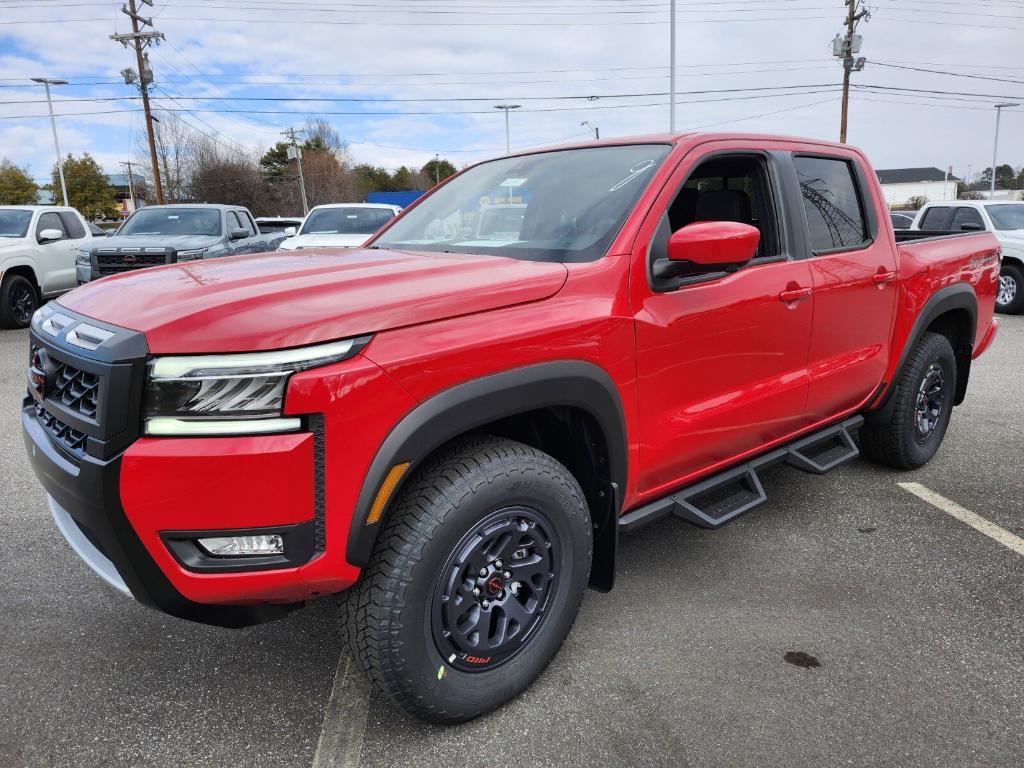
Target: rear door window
point(936, 218)
point(832, 203)
point(72, 225)
point(969, 217)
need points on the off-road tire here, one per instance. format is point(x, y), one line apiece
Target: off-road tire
point(1016, 305)
point(386, 617)
point(897, 442)
point(17, 289)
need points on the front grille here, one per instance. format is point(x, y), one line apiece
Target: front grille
point(116, 263)
point(64, 435)
point(76, 390)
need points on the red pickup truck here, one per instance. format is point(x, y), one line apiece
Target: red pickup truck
point(452, 428)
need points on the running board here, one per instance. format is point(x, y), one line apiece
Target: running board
point(721, 498)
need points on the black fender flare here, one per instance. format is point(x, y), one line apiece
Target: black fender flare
point(472, 404)
point(952, 297)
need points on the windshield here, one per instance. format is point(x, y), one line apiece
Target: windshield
point(1006, 216)
point(276, 226)
point(346, 221)
point(566, 205)
point(14, 223)
point(173, 221)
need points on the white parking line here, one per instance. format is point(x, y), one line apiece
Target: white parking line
point(977, 522)
point(341, 736)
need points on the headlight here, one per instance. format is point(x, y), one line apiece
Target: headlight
point(83, 258)
point(231, 394)
point(191, 255)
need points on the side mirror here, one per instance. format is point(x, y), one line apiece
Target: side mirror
point(49, 235)
point(971, 227)
point(289, 231)
point(714, 245)
point(238, 234)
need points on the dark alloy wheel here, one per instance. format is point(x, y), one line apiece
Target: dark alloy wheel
point(494, 589)
point(908, 431)
point(475, 579)
point(18, 302)
point(929, 402)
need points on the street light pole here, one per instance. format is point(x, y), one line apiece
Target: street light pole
point(995, 146)
point(508, 135)
point(672, 68)
point(47, 82)
point(594, 128)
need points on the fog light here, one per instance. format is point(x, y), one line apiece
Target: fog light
point(243, 546)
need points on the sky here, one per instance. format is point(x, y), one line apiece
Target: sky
point(402, 80)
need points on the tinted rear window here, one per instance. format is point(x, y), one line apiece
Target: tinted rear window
point(835, 218)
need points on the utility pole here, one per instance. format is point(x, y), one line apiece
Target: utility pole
point(131, 187)
point(47, 82)
point(508, 135)
point(140, 40)
point(995, 146)
point(672, 68)
point(594, 128)
point(295, 153)
point(844, 48)
point(437, 168)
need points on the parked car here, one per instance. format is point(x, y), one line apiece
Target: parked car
point(171, 234)
point(37, 257)
point(454, 432)
point(902, 219)
point(1004, 219)
point(285, 225)
point(341, 225)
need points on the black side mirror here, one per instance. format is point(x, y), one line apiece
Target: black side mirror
point(238, 233)
point(971, 227)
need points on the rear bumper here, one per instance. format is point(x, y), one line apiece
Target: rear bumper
point(987, 339)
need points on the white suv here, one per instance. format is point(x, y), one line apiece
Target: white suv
point(37, 257)
point(1005, 220)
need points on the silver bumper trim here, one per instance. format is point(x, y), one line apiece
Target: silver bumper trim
point(85, 549)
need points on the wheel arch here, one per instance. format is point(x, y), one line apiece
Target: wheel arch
point(953, 313)
point(25, 269)
point(569, 409)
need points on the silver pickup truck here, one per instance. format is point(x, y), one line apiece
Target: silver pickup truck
point(170, 234)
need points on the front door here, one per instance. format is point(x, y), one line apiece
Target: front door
point(721, 358)
point(56, 257)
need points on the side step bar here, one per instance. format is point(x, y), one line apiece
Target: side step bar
point(713, 502)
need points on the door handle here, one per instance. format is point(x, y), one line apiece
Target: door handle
point(793, 295)
point(881, 278)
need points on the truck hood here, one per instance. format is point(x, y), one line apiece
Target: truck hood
point(177, 242)
point(280, 299)
point(323, 241)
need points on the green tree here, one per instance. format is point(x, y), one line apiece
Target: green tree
point(436, 171)
point(372, 178)
point(16, 186)
point(404, 179)
point(88, 188)
point(1006, 177)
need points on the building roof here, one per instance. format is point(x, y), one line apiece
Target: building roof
point(912, 175)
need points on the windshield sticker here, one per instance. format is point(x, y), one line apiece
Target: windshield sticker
point(635, 171)
point(512, 183)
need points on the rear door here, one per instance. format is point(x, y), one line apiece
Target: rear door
point(854, 273)
point(721, 358)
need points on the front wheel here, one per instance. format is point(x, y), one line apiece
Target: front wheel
point(18, 301)
point(475, 580)
point(923, 405)
point(1010, 298)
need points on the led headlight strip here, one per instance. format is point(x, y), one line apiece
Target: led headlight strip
point(232, 393)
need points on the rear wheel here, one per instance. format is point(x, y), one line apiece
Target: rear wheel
point(18, 301)
point(474, 582)
point(1010, 299)
point(921, 411)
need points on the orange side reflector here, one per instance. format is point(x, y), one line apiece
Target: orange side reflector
point(386, 489)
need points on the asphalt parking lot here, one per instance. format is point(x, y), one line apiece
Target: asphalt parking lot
point(915, 618)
